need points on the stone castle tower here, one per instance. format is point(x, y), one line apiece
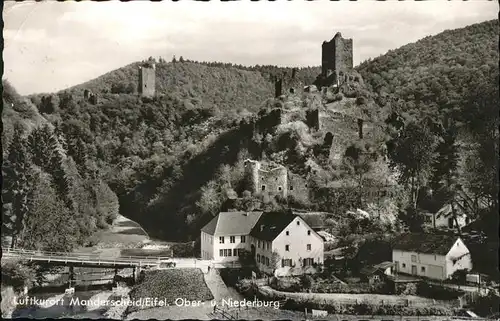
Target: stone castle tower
point(272, 181)
point(336, 57)
point(147, 77)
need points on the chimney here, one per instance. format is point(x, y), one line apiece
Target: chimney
point(262, 227)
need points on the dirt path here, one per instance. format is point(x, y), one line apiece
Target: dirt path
point(218, 288)
point(123, 233)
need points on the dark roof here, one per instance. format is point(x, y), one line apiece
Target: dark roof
point(271, 224)
point(314, 220)
point(232, 223)
point(369, 270)
point(425, 243)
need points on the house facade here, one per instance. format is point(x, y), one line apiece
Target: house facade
point(286, 245)
point(281, 243)
point(443, 219)
point(226, 235)
point(430, 255)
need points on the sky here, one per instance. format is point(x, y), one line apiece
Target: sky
point(49, 46)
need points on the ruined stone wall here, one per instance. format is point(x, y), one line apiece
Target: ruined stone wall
point(147, 81)
point(312, 119)
point(269, 181)
point(297, 186)
point(274, 181)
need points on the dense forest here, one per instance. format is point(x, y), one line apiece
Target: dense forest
point(50, 202)
point(175, 159)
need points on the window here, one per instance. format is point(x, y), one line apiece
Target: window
point(308, 262)
point(428, 219)
point(232, 239)
point(280, 188)
point(267, 261)
point(221, 239)
point(258, 244)
point(287, 233)
point(229, 252)
point(403, 265)
point(258, 258)
point(450, 222)
point(291, 187)
point(308, 247)
point(268, 245)
point(286, 262)
point(422, 269)
point(263, 187)
point(221, 253)
point(309, 232)
point(287, 247)
point(243, 239)
point(414, 258)
point(298, 222)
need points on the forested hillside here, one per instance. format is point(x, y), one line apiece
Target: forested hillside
point(173, 159)
point(442, 93)
point(49, 201)
point(446, 88)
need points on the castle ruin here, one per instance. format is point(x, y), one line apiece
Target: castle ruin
point(336, 58)
point(270, 181)
point(147, 77)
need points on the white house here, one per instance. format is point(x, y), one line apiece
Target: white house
point(281, 243)
point(226, 234)
point(434, 256)
point(443, 219)
point(284, 244)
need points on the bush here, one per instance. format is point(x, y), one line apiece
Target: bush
point(17, 275)
point(360, 101)
point(486, 306)
point(437, 292)
point(333, 98)
point(183, 249)
point(410, 289)
point(306, 281)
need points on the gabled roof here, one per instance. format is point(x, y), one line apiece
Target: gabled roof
point(271, 224)
point(314, 220)
point(425, 243)
point(232, 223)
point(369, 270)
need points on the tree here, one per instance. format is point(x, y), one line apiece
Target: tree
point(210, 200)
point(358, 161)
point(181, 59)
point(412, 154)
point(39, 145)
point(18, 174)
point(47, 215)
point(444, 181)
point(275, 260)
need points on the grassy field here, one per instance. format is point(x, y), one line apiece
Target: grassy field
point(170, 285)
